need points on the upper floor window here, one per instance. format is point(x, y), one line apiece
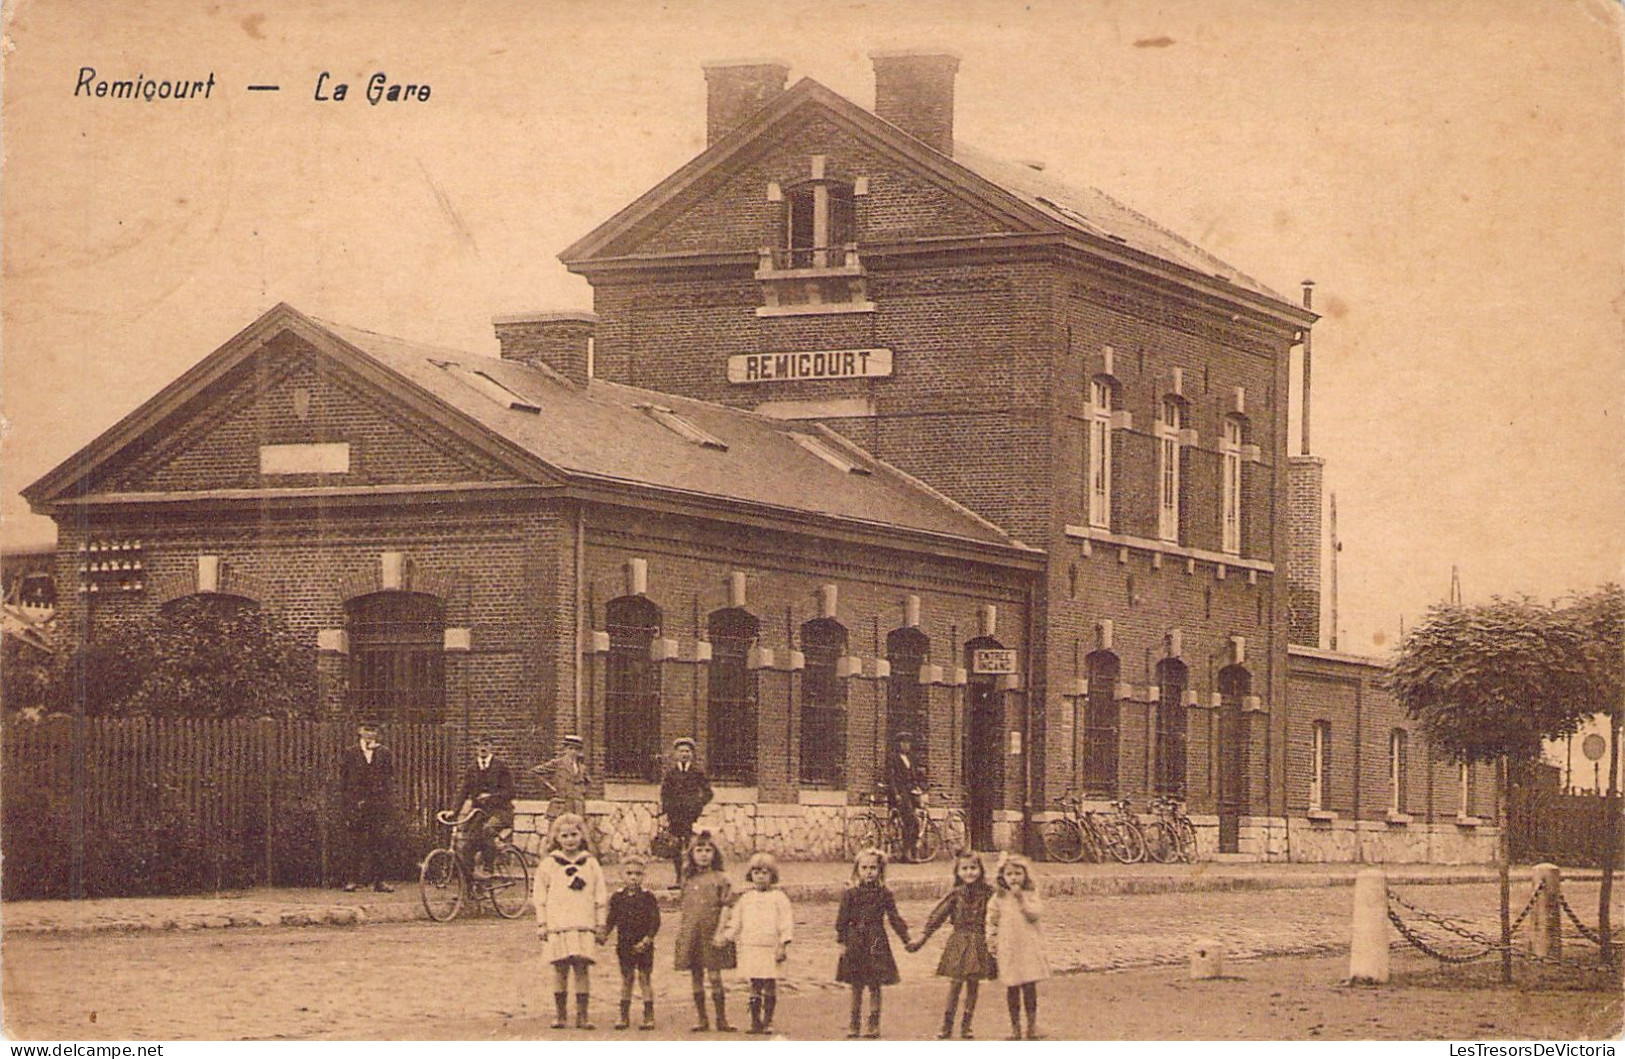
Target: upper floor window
point(1398, 769)
point(1320, 764)
point(1170, 422)
point(631, 688)
point(823, 703)
point(820, 222)
point(397, 656)
point(1230, 501)
point(1102, 403)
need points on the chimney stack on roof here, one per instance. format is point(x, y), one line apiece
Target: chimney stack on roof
point(561, 342)
point(736, 90)
point(914, 90)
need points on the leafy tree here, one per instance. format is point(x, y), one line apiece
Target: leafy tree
point(1489, 684)
point(201, 656)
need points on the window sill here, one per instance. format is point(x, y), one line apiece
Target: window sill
point(1398, 819)
point(770, 275)
point(1123, 540)
point(1469, 821)
point(1321, 816)
point(630, 791)
point(819, 309)
point(821, 797)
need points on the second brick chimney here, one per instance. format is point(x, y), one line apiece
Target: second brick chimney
point(915, 92)
point(736, 90)
point(560, 341)
point(1305, 478)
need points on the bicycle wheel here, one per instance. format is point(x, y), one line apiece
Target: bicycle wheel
point(510, 883)
point(1160, 843)
point(1185, 835)
point(955, 837)
point(1063, 841)
point(863, 832)
point(1125, 842)
point(442, 885)
point(926, 843)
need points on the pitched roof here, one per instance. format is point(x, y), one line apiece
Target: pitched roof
point(1031, 201)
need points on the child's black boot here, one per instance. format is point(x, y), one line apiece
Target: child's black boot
point(702, 1024)
point(625, 1021)
point(648, 1022)
point(561, 1008)
point(582, 1021)
point(719, 998)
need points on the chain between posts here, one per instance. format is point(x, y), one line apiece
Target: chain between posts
point(1488, 945)
point(1593, 936)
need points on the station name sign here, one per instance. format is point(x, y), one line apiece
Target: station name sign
point(810, 364)
point(999, 661)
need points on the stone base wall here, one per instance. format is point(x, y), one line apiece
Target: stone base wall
point(1376, 842)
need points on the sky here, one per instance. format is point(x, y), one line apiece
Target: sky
point(1448, 174)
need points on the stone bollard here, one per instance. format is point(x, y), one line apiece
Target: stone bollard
point(1368, 951)
point(1207, 959)
point(1545, 919)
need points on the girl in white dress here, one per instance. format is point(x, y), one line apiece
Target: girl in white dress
point(1017, 941)
point(761, 927)
point(572, 906)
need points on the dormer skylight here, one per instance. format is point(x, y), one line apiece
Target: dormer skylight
point(489, 387)
point(818, 447)
point(682, 427)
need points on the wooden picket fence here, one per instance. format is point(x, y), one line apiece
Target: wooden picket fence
point(259, 797)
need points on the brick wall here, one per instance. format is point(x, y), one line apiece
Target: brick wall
point(1305, 481)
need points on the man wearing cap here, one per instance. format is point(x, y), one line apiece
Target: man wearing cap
point(566, 773)
point(487, 785)
point(905, 787)
point(685, 791)
point(366, 780)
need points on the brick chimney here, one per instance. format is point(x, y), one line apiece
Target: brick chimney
point(1305, 477)
point(560, 341)
point(915, 92)
point(736, 90)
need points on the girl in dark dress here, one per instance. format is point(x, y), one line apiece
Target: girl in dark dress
point(965, 959)
point(860, 930)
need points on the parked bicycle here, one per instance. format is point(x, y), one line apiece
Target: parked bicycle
point(1079, 832)
point(448, 878)
point(1170, 837)
point(952, 831)
point(881, 827)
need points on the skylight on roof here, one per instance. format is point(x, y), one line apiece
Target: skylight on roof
point(823, 451)
point(485, 384)
point(682, 427)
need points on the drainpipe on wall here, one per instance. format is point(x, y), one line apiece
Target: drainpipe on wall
point(581, 631)
point(1027, 731)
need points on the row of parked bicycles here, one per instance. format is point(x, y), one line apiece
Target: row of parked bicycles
point(1120, 835)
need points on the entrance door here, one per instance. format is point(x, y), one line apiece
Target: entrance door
point(984, 758)
point(1234, 684)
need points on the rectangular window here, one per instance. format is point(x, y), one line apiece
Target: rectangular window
point(1100, 725)
point(823, 704)
point(327, 457)
point(1398, 769)
point(1171, 733)
point(1100, 454)
point(1320, 765)
point(1168, 428)
point(1231, 502)
point(1465, 779)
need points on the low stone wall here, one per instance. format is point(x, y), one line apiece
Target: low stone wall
point(1378, 842)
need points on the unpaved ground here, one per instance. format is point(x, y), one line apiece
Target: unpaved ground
point(411, 980)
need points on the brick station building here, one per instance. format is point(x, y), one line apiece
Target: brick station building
point(868, 431)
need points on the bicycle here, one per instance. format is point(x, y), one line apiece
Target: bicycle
point(446, 879)
point(952, 832)
point(881, 827)
point(1065, 839)
point(1081, 831)
point(1124, 839)
point(1170, 837)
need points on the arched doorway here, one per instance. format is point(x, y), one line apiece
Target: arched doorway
point(1235, 683)
point(984, 746)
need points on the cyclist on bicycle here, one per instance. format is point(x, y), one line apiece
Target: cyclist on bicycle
point(487, 785)
point(905, 790)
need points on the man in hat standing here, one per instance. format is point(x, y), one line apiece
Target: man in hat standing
point(905, 788)
point(366, 782)
point(566, 773)
point(487, 785)
point(685, 791)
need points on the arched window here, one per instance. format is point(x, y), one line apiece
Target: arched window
point(1320, 765)
point(906, 650)
point(397, 656)
point(823, 704)
point(1235, 435)
point(1170, 421)
point(1100, 725)
point(1398, 768)
point(731, 701)
point(1102, 402)
point(820, 220)
point(631, 688)
point(1171, 728)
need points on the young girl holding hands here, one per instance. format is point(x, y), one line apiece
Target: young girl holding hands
point(860, 928)
point(1017, 942)
point(762, 926)
point(571, 905)
point(966, 959)
point(707, 893)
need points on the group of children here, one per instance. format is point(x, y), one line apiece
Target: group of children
point(995, 934)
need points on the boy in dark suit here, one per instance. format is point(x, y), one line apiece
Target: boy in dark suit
point(632, 911)
point(366, 782)
point(905, 786)
point(488, 785)
point(684, 793)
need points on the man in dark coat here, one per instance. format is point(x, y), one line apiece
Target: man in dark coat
point(905, 787)
point(488, 785)
point(684, 793)
point(366, 784)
